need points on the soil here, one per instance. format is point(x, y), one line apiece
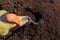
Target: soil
point(46, 12)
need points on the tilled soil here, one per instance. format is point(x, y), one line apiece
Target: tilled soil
point(46, 12)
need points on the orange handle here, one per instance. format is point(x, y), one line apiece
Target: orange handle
point(13, 18)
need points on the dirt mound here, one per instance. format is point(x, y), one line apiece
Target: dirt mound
point(46, 12)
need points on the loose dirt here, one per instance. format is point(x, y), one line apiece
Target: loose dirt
point(46, 12)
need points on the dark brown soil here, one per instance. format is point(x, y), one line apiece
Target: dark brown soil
point(46, 12)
